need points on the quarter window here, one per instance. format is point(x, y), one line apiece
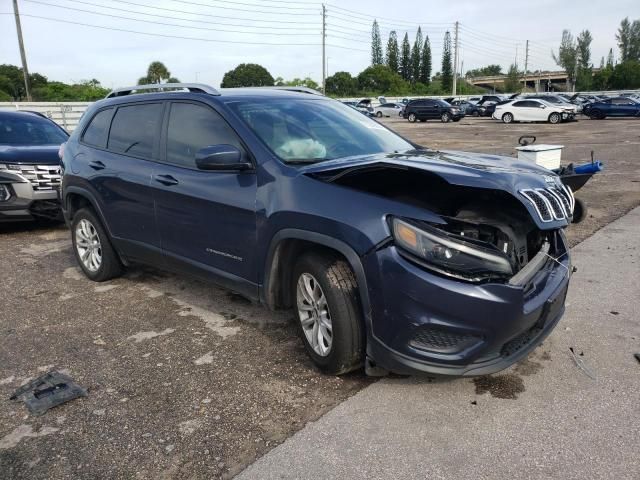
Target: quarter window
point(134, 129)
point(98, 129)
point(193, 127)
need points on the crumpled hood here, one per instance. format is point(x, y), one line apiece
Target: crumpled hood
point(41, 154)
point(477, 170)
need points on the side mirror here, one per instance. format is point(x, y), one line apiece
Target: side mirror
point(221, 157)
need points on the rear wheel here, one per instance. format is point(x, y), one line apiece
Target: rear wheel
point(92, 247)
point(507, 118)
point(445, 117)
point(329, 313)
point(379, 114)
point(475, 113)
point(412, 117)
point(555, 118)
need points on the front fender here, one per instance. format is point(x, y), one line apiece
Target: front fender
point(270, 273)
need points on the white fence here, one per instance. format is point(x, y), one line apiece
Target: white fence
point(66, 114)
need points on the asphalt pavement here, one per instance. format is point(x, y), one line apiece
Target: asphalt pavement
point(571, 411)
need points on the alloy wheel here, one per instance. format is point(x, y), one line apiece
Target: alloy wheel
point(88, 245)
point(313, 312)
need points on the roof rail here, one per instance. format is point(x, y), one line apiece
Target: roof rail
point(288, 88)
point(192, 87)
point(298, 89)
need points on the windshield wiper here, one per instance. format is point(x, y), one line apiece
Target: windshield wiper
point(302, 161)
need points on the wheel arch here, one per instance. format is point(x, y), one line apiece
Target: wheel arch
point(285, 246)
point(76, 198)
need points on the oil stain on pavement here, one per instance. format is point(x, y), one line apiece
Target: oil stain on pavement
point(507, 386)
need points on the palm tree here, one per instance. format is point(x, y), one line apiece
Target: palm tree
point(157, 72)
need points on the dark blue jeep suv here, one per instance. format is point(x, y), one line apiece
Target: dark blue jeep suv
point(393, 256)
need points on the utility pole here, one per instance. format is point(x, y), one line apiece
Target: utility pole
point(23, 55)
point(455, 60)
point(324, 58)
point(526, 63)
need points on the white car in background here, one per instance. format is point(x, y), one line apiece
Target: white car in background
point(529, 110)
point(388, 110)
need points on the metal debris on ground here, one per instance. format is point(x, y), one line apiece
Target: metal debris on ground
point(48, 391)
point(580, 364)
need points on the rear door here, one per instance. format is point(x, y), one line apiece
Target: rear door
point(119, 168)
point(431, 109)
point(206, 219)
point(623, 107)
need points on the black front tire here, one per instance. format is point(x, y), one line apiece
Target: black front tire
point(110, 266)
point(340, 288)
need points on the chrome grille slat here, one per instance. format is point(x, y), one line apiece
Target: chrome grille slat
point(555, 206)
point(41, 177)
point(553, 203)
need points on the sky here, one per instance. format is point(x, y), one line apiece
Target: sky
point(64, 42)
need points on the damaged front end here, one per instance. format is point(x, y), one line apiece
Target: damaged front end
point(479, 282)
point(482, 234)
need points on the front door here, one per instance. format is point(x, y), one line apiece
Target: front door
point(206, 219)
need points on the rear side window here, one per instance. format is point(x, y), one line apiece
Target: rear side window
point(134, 129)
point(192, 127)
point(98, 129)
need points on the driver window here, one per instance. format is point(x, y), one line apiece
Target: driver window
point(192, 127)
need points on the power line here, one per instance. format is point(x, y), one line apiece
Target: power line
point(163, 23)
point(116, 29)
point(261, 3)
point(375, 17)
point(296, 22)
point(341, 17)
point(187, 2)
point(206, 22)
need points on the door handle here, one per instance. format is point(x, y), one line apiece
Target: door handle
point(96, 165)
point(166, 180)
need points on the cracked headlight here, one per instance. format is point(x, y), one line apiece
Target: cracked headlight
point(446, 254)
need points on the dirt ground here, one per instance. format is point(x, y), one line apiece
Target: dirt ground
point(189, 381)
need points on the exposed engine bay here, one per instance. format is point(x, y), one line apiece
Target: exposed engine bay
point(488, 218)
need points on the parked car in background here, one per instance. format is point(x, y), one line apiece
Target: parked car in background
point(428, 109)
point(558, 101)
point(391, 255)
point(469, 108)
point(487, 99)
point(388, 110)
point(613, 107)
point(364, 108)
point(531, 110)
point(29, 166)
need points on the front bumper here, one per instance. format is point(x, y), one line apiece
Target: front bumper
point(440, 326)
point(26, 203)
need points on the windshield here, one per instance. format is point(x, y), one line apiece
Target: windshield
point(30, 132)
point(308, 131)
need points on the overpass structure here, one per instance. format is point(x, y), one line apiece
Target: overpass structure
point(538, 81)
